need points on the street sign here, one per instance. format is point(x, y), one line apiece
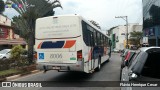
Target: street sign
point(145, 40)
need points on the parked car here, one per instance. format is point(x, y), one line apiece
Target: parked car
point(115, 50)
point(133, 47)
point(5, 53)
point(144, 66)
point(25, 54)
point(126, 57)
point(124, 53)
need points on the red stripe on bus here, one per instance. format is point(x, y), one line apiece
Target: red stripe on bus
point(69, 43)
point(39, 46)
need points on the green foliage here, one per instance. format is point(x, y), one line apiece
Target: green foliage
point(2, 6)
point(95, 24)
point(6, 64)
point(9, 72)
point(25, 22)
point(17, 55)
point(155, 15)
point(16, 52)
point(154, 18)
point(135, 37)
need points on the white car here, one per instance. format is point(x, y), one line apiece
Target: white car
point(115, 50)
point(5, 53)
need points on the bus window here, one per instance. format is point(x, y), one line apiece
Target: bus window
point(107, 40)
point(90, 38)
point(86, 36)
point(98, 38)
point(95, 38)
point(104, 41)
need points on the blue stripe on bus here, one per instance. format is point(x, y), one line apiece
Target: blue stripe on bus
point(50, 44)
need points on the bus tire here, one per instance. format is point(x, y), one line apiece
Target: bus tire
point(99, 64)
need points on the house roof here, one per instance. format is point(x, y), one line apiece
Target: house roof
point(12, 42)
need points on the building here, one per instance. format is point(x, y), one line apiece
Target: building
point(7, 36)
point(118, 35)
point(151, 21)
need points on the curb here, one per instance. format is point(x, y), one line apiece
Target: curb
point(12, 77)
point(18, 75)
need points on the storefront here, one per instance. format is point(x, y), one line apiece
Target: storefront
point(151, 21)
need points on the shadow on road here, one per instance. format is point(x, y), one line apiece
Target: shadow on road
point(72, 76)
point(77, 76)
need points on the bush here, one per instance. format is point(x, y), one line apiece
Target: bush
point(18, 59)
point(27, 68)
point(17, 55)
point(6, 64)
point(16, 52)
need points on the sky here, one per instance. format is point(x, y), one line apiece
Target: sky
point(101, 11)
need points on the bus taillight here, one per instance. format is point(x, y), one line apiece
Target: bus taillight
point(79, 55)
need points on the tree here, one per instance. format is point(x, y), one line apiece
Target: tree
point(154, 17)
point(28, 13)
point(135, 37)
point(2, 6)
point(95, 24)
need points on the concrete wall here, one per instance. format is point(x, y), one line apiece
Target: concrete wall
point(120, 32)
point(5, 21)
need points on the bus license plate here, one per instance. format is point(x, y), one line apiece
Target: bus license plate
point(57, 68)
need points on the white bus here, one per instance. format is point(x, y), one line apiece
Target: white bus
point(70, 43)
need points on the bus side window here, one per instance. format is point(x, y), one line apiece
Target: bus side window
point(101, 40)
point(95, 38)
point(86, 34)
point(107, 42)
point(104, 41)
point(91, 38)
point(98, 39)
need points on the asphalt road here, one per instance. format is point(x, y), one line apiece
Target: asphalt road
point(110, 71)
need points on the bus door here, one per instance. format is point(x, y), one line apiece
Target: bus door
point(90, 50)
point(92, 54)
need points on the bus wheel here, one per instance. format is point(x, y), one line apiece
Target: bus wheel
point(99, 65)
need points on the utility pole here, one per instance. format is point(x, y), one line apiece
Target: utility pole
point(126, 19)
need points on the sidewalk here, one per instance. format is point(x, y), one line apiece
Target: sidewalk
point(18, 75)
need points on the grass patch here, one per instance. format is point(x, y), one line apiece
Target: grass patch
point(8, 72)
